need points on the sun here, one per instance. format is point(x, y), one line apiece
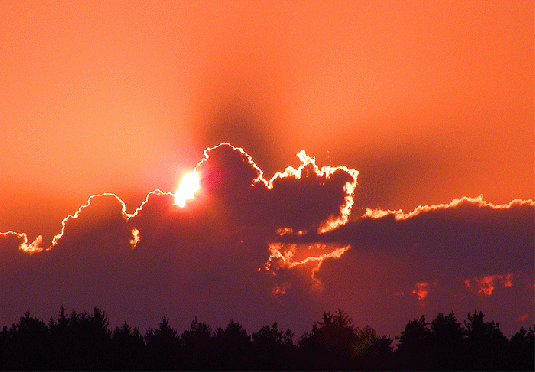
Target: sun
point(187, 188)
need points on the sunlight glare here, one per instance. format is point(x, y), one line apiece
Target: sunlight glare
point(189, 185)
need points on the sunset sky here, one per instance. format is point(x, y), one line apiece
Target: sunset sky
point(430, 101)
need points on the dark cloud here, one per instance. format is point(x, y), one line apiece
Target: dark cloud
point(302, 198)
point(263, 250)
point(16, 251)
point(10, 243)
point(463, 255)
point(467, 236)
point(98, 230)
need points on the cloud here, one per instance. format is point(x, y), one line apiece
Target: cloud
point(10, 242)
point(486, 284)
point(97, 230)
point(272, 249)
point(289, 256)
point(15, 247)
point(302, 198)
point(204, 258)
point(295, 189)
point(421, 291)
point(467, 235)
point(438, 258)
point(463, 239)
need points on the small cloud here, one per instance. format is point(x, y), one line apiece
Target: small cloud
point(281, 289)
point(486, 285)
point(12, 242)
point(288, 256)
point(135, 238)
point(421, 291)
point(33, 247)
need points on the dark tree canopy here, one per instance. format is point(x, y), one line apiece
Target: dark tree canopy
point(83, 341)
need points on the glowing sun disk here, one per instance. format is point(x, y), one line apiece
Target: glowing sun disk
point(187, 188)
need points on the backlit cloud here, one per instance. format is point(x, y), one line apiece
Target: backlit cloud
point(421, 291)
point(438, 257)
point(286, 247)
point(486, 284)
point(288, 256)
point(13, 244)
point(302, 198)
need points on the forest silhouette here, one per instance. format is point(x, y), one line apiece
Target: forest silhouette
point(84, 341)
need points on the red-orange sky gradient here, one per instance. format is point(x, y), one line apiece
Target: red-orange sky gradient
point(428, 100)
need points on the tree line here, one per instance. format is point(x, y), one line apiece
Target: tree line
point(84, 341)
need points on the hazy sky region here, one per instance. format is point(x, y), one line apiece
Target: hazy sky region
point(431, 103)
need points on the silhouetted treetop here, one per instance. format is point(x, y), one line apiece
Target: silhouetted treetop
point(83, 341)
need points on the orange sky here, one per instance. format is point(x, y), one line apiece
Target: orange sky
point(430, 101)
